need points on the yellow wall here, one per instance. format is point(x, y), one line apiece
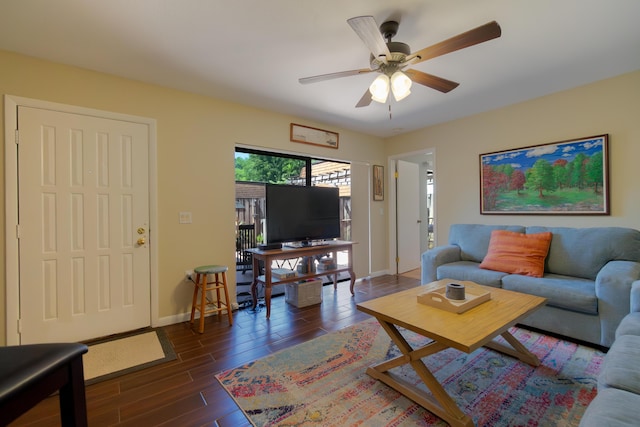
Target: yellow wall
point(610, 106)
point(196, 138)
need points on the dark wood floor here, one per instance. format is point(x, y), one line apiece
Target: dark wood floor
point(184, 392)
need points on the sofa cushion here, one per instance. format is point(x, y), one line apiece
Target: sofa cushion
point(630, 325)
point(620, 368)
point(582, 252)
point(467, 270)
point(517, 253)
point(570, 293)
point(612, 408)
point(473, 239)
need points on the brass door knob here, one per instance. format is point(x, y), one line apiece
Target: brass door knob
point(142, 241)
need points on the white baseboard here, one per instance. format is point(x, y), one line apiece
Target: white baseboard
point(170, 320)
point(379, 273)
point(184, 317)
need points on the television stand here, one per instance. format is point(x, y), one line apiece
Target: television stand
point(268, 256)
point(307, 244)
point(270, 246)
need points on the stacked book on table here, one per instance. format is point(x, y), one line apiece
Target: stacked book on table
point(282, 273)
point(326, 264)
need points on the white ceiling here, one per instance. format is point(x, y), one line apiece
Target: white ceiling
point(253, 51)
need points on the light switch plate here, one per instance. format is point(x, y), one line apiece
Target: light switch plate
point(185, 218)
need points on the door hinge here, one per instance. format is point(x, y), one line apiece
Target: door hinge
point(19, 325)
point(397, 260)
point(17, 139)
point(396, 174)
point(17, 231)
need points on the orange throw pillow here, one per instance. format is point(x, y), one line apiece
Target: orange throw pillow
point(517, 253)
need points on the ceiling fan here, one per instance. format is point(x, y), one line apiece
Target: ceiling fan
point(390, 59)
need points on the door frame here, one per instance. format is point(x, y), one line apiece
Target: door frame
point(408, 221)
point(413, 157)
point(12, 276)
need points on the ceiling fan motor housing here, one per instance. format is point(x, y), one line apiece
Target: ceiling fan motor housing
point(389, 29)
point(399, 51)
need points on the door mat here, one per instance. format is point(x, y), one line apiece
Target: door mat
point(125, 353)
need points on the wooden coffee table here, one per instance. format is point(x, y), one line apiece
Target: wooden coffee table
point(466, 332)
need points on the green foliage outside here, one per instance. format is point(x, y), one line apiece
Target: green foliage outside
point(268, 169)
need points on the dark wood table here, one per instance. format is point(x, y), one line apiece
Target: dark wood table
point(30, 373)
point(284, 253)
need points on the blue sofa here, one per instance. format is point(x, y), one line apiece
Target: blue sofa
point(617, 403)
point(587, 278)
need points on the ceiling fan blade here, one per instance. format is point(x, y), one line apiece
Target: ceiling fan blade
point(367, 29)
point(429, 80)
point(478, 35)
point(322, 77)
point(365, 100)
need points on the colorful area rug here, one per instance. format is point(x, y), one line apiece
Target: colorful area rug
point(323, 383)
point(125, 353)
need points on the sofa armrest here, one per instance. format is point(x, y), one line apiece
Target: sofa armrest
point(433, 258)
point(635, 296)
point(613, 290)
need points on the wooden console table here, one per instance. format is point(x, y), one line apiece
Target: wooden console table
point(268, 256)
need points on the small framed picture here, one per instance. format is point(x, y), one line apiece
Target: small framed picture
point(378, 182)
point(314, 136)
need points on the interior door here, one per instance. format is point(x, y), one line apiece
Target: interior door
point(83, 226)
point(407, 216)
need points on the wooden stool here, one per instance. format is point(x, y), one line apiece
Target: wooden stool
point(205, 305)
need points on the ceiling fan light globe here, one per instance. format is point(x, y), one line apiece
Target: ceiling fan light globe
point(401, 97)
point(380, 89)
point(400, 85)
point(381, 100)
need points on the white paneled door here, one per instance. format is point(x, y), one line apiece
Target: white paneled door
point(83, 226)
point(408, 216)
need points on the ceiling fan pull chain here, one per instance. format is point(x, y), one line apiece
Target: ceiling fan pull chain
point(389, 111)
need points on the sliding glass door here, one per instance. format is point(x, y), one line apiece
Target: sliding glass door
point(255, 168)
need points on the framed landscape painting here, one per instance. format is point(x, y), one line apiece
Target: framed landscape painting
point(561, 178)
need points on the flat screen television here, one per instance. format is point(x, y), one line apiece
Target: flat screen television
point(301, 214)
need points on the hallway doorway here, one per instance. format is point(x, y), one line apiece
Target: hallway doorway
point(424, 163)
point(256, 168)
